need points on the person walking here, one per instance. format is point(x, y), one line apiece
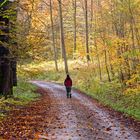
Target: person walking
point(68, 85)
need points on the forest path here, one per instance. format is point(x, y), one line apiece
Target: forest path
point(54, 117)
point(82, 118)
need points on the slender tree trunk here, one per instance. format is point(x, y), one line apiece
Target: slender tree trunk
point(111, 66)
point(91, 19)
point(86, 27)
point(119, 31)
point(103, 36)
point(62, 36)
point(30, 16)
point(98, 59)
point(53, 39)
point(91, 30)
point(95, 44)
point(135, 58)
point(134, 25)
point(109, 79)
point(75, 29)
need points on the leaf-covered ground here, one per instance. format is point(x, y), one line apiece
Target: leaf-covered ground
point(30, 121)
point(54, 117)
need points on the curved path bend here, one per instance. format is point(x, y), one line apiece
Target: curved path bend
point(82, 118)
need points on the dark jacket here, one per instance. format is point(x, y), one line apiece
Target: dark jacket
point(68, 82)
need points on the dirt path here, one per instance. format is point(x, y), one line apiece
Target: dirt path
point(54, 117)
point(82, 118)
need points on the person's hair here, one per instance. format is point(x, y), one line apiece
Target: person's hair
point(68, 76)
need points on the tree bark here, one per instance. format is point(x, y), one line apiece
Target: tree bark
point(109, 79)
point(53, 38)
point(86, 28)
point(74, 18)
point(98, 59)
point(62, 37)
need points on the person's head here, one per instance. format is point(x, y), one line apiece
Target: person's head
point(68, 76)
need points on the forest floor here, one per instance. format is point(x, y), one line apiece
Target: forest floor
point(54, 117)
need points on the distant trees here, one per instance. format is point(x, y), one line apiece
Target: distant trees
point(104, 32)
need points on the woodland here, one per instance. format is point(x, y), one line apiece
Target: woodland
point(96, 41)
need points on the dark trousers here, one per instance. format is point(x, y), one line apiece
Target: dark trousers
point(68, 89)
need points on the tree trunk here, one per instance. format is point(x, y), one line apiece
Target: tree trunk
point(111, 66)
point(86, 27)
point(74, 18)
point(6, 87)
point(53, 39)
point(91, 19)
point(95, 44)
point(103, 37)
point(62, 37)
point(109, 79)
point(98, 59)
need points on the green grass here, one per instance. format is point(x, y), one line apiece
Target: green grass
point(24, 93)
point(110, 94)
point(85, 78)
